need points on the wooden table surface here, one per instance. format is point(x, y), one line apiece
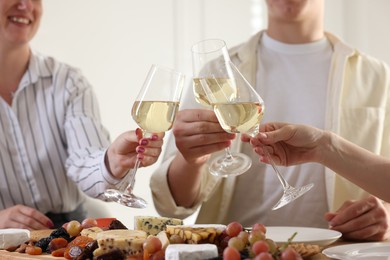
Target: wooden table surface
point(4, 255)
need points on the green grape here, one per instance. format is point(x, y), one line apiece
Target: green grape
point(244, 236)
point(73, 228)
point(237, 243)
point(272, 245)
point(256, 235)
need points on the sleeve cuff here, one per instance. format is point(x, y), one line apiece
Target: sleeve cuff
point(107, 176)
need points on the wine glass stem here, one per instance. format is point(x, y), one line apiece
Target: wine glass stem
point(280, 177)
point(229, 156)
point(130, 179)
point(273, 164)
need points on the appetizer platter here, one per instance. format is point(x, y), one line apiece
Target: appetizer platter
point(151, 238)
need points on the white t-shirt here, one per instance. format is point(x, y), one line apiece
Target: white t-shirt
point(292, 80)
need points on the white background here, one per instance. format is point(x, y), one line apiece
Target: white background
point(115, 42)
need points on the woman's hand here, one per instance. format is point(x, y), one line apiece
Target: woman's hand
point(287, 144)
point(122, 154)
point(20, 216)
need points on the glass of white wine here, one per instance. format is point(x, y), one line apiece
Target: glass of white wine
point(154, 110)
point(207, 57)
point(242, 113)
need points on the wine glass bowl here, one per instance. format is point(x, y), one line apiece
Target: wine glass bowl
point(154, 110)
point(209, 57)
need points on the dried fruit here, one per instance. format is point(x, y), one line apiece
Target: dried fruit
point(44, 242)
point(59, 252)
point(57, 243)
point(33, 250)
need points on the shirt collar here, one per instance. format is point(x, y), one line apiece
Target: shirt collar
point(36, 69)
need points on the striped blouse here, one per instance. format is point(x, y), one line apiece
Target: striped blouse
point(52, 141)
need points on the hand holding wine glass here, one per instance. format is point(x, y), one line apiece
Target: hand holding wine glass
point(208, 57)
point(242, 113)
point(154, 111)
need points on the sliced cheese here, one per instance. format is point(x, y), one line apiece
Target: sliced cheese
point(190, 252)
point(153, 225)
point(162, 235)
point(91, 232)
point(130, 242)
point(11, 237)
point(196, 234)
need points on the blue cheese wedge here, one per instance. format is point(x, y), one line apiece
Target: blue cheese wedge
point(11, 237)
point(153, 225)
point(190, 252)
point(130, 242)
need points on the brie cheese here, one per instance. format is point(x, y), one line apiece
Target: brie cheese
point(190, 251)
point(13, 237)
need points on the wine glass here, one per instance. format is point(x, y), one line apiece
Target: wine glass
point(154, 110)
point(242, 113)
point(207, 55)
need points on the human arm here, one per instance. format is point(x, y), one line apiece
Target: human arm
point(294, 144)
point(197, 134)
point(20, 216)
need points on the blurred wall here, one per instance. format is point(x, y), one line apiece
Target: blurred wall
point(115, 43)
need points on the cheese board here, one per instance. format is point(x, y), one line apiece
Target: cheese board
point(153, 236)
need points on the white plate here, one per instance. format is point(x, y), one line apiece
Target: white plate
point(369, 251)
point(306, 235)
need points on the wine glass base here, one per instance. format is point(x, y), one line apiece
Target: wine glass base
point(291, 194)
point(225, 167)
point(125, 199)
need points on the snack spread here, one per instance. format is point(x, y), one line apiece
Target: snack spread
point(153, 238)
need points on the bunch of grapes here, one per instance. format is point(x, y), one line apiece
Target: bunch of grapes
point(153, 249)
point(241, 243)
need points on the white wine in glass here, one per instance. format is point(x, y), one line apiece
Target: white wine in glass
point(154, 111)
point(207, 56)
point(242, 113)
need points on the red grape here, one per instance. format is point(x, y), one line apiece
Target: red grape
point(264, 256)
point(233, 229)
point(231, 253)
point(152, 244)
point(89, 222)
point(259, 226)
point(260, 246)
point(159, 255)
